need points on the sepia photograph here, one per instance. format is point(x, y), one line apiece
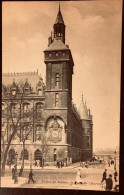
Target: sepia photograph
point(60, 109)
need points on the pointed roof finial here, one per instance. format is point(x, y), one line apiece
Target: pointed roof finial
point(59, 5)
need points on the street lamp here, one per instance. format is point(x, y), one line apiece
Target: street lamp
point(115, 160)
point(31, 161)
point(66, 154)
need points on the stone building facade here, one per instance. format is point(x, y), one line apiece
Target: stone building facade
point(44, 114)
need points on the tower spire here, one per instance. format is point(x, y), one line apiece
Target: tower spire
point(59, 27)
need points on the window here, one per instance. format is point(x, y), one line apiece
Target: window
point(26, 132)
point(26, 91)
point(38, 132)
point(26, 107)
point(39, 107)
point(13, 92)
point(57, 54)
point(63, 53)
point(57, 79)
point(11, 131)
point(39, 91)
point(50, 54)
point(88, 141)
point(56, 99)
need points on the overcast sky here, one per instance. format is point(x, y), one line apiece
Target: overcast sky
point(93, 33)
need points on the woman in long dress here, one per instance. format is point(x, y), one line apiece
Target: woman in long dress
point(78, 177)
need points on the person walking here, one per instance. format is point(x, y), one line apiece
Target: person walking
point(13, 172)
point(31, 177)
point(21, 171)
point(109, 183)
point(78, 177)
point(115, 175)
point(104, 176)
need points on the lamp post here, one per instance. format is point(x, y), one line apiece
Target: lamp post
point(16, 174)
point(31, 161)
point(115, 160)
point(66, 154)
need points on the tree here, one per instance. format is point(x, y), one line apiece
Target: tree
point(16, 119)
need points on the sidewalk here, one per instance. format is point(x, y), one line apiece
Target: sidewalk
point(9, 182)
point(70, 166)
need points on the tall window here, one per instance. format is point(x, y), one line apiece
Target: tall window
point(26, 107)
point(38, 132)
point(57, 79)
point(25, 154)
point(56, 99)
point(26, 132)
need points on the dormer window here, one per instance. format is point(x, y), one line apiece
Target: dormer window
point(13, 92)
point(26, 91)
point(39, 91)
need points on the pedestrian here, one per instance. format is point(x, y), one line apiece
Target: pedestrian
point(78, 177)
point(21, 171)
point(109, 183)
point(35, 164)
point(30, 177)
point(104, 175)
point(13, 172)
point(86, 164)
point(115, 175)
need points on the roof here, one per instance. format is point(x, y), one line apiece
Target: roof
point(57, 44)
point(83, 111)
point(21, 79)
point(59, 18)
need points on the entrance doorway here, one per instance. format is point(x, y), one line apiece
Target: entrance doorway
point(11, 156)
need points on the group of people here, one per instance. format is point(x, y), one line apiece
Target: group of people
point(85, 164)
point(59, 164)
point(109, 180)
point(38, 163)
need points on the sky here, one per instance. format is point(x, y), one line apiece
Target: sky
point(93, 33)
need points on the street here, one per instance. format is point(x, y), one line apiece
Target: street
point(64, 178)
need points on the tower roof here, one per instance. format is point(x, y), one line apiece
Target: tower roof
point(57, 45)
point(59, 18)
point(83, 110)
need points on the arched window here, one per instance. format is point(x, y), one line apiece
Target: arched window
point(26, 107)
point(11, 155)
point(37, 155)
point(26, 156)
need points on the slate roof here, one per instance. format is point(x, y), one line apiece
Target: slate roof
point(21, 79)
point(59, 18)
point(57, 44)
point(83, 111)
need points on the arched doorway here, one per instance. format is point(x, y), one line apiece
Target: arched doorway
point(11, 156)
point(37, 155)
point(25, 154)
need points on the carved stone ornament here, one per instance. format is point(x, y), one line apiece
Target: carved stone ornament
point(55, 131)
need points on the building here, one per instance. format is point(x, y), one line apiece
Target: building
point(43, 114)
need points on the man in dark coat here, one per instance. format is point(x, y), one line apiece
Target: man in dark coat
point(104, 175)
point(115, 175)
point(109, 183)
point(13, 172)
point(31, 177)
